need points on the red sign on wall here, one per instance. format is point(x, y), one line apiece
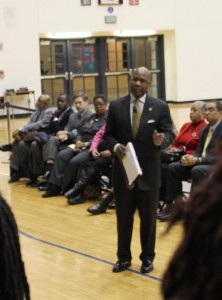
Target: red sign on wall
point(133, 2)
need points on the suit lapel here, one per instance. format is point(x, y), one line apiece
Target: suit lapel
point(146, 113)
point(125, 113)
point(216, 135)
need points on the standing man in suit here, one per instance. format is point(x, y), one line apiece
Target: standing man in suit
point(154, 127)
point(198, 165)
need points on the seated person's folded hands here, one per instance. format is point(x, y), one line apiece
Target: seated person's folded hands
point(105, 153)
point(188, 160)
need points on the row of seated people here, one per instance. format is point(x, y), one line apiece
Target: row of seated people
point(45, 144)
point(200, 139)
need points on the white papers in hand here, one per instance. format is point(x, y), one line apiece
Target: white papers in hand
point(131, 164)
point(72, 146)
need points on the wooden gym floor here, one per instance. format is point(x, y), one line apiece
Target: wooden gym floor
point(69, 254)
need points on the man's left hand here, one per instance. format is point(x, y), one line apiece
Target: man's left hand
point(158, 138)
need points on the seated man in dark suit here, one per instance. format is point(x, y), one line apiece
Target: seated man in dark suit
point(197, 166)
point(58, 122)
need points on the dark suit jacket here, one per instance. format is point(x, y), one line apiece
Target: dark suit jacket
point(60, 124)
point(155, 115)
point(217, 136)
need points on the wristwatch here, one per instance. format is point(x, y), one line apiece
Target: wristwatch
point(198, 160)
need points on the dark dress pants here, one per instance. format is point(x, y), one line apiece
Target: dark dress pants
point(164, 167)
point(83, 161)
point(177, 173)
point(72, 169)
point(19, 159)
point(199, 173)
point(36, 164)
point(61, 162)
point(126, 204)
point(52, 147)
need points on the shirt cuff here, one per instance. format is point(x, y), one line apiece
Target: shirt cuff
point(115, 147)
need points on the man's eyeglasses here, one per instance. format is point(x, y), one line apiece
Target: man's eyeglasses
point(141, 80)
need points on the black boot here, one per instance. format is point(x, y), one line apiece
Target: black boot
point(52, 191)
point(101, 207)
point(76, 200)
point(33, 182)
point(14, 175)
point(81, 183)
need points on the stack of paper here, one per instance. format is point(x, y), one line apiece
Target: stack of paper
point(131, 164)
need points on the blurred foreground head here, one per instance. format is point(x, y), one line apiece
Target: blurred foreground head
point(194, 272)
point(13, 281)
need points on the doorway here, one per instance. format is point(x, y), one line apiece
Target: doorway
point(99, 65)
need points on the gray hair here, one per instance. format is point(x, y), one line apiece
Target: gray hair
point(200, 104)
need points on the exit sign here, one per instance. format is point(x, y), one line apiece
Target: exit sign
point(110, 19)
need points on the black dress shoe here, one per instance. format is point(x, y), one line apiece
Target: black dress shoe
point(112, 205)
point(147, 266)
point(14, 175)
point(7, 147)
point(73, 192)
point(13, 179)
point(43, 186)
point(121, 265)
point(46, 175)
point(52, 191)
point(164, 218)
point(32, 183)
point(165, 213)
point(96, 209)
point(76, 200)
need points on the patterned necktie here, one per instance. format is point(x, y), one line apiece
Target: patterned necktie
point(136, 117)
point(209, 136)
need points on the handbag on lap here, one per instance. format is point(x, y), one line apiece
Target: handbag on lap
point(168, 155)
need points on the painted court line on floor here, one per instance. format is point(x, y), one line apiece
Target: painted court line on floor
point(84, 254)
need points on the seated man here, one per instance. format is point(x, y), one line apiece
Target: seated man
point(58, 121)
point(65, 137)
point(20, 146)
point(198, 165)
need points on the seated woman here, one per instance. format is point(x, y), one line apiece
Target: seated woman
point(79, 149)
point(194, 271)
point(99, 158)
point(188, 137)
